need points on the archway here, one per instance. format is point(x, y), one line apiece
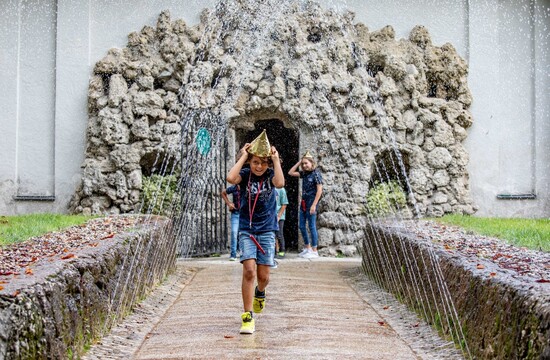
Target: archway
point(287, 143)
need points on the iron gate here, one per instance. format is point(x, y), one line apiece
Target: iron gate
point(204, 215)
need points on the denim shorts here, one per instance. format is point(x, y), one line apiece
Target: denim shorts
point(251, 251)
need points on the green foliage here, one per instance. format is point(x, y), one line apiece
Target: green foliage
point(159, 194)
point(385, 198)
point(530, 233)
point(14, 229)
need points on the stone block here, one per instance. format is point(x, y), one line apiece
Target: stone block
point(501, 316)
point(67, 304)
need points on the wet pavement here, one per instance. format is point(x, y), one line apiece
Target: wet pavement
point(312, 312)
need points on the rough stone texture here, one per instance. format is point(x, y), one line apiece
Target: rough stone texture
point(67, 304)
point(501, 316)
point(355, 95)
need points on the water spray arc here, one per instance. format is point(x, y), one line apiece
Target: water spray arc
point(352, 93)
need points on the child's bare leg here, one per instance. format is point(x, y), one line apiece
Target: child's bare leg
point(263, 277)
point(249, 277)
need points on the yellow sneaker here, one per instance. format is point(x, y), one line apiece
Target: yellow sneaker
point(258, 304)
point(248, 325)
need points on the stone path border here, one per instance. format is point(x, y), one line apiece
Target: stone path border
point(124, 339)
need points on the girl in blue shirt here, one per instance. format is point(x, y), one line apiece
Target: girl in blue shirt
point(312, 188)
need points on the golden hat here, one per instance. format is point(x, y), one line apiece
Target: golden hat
point(260, 146)
point(307, 155)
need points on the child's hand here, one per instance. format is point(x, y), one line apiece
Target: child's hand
point(244, 150)
point(231, 207)
point(312, 209)
point(274, 154)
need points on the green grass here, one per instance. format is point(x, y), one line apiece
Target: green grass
point(529, 233)
point(15, 229)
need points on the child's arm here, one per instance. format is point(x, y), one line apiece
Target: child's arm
point(294, 170)
point(281, 211)
point(233, 176)
point(317, 197)
point(226, 199)
point(279, 178)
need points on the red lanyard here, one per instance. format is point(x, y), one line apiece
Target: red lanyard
point(251, 208)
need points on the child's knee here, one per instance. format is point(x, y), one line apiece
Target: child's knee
point(249, 274)
point(263, 278)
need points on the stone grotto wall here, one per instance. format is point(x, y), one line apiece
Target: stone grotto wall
point(353, 95)
point(502, 316)
point(68, 304)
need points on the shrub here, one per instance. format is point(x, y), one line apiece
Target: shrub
point(159, 194)
point(385, 198)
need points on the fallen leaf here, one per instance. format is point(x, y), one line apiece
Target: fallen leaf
point(108, 236)
point(480, 266)
point(493, 274)
point(228, 336)
point(542, 281)
point(416, 325)
point(28, 271)
point(94, 244)
point(68, 256)
point(1, 288)
point(15, 293)
point(386, 307)
point(381, 323)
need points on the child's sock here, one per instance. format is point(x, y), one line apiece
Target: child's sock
point(258, 293)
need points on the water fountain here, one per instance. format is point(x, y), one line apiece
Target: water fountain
point(373, 110)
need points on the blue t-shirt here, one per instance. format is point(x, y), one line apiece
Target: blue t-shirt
point(310, 179)
point(281, 200)
point(264, 217)
point(234, 190)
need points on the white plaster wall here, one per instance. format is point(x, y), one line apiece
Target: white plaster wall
point(510, 138)
point(8, 102)
point(505, 41)
point(27, 124)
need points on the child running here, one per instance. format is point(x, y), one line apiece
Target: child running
point(257, 221)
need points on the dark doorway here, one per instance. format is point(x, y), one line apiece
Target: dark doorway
point(287, 143)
